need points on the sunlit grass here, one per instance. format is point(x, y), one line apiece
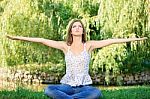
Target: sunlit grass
point(126, 92)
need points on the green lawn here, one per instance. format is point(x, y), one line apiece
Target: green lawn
point(127, 92)
point(130, 92)
point(22, 93)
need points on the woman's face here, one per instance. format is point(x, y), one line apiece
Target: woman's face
point(77, 29)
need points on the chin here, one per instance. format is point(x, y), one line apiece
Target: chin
point(77, 34)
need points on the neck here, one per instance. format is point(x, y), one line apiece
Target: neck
point(77, 40)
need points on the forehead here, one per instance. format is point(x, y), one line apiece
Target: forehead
point(77, 23)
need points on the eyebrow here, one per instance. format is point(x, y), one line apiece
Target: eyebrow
point(77, 25)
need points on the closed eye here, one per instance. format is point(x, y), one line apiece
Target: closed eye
point(80, 26)
point(74, 26)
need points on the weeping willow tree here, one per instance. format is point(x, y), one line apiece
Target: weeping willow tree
point(38, 18)
point(122, 19)
point(49, 18)
point(31, 18)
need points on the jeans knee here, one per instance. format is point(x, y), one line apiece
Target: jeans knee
point(98, 93)
point(48, 89)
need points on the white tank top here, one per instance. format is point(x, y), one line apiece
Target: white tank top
point(77, 68)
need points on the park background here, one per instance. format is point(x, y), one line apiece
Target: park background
point(118, 65)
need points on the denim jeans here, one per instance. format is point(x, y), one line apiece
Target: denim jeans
point(64, 91)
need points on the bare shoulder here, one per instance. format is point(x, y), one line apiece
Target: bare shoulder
point(92, 44)
point(88, 45)
point(65, 46)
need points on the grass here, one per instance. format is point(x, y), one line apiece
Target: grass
point(22, 93)
point(128, 92)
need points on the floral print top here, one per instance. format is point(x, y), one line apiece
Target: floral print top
point(77, 68)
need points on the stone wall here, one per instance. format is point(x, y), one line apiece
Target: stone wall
point(124, 79)
point(41, 77)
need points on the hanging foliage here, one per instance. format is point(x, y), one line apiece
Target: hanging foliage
point(103, 19)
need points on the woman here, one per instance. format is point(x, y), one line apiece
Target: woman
point(75, 84)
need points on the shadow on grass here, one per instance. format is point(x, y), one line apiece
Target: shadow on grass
point(22, 93)
point(129, 92)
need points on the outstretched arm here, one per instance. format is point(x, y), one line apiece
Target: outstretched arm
point(103, 43)
point(51, 43)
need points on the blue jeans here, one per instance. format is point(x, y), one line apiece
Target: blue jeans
point(64, 91)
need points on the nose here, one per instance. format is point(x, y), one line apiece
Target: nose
point(77, 27)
